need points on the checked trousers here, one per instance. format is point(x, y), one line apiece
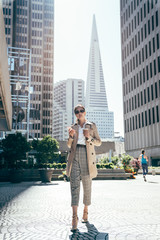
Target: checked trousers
point(80, 172)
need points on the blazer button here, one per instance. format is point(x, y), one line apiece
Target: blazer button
point(92, 153)
point(90, 143)
point(93, 162)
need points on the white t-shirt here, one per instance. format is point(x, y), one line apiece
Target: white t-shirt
point(81, 137)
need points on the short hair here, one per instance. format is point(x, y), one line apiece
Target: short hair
point(143, 151)
point(77, 106)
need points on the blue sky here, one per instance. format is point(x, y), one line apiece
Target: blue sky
point(73, 25)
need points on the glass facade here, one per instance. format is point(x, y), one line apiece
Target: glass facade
point(140, 65)
point(32, 26)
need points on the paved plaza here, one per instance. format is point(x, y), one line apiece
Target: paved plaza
point(120, 210)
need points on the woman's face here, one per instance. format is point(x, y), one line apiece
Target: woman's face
point(80, 114)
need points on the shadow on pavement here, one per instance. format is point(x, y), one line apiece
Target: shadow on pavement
point(9, 191)
point(45, 184)
point(153, 182)
point(92, 234)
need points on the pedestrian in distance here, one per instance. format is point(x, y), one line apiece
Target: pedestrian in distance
point(144, 162)
point(81, 161)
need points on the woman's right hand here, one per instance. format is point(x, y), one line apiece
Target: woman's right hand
point(71, 132)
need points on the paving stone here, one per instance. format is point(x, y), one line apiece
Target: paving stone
point(120, 210)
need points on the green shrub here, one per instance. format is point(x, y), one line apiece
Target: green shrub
point(98, 165)
point(59, 165)
point(115, 160)
point(109, 166)
point(63, 165)
point(104, 160)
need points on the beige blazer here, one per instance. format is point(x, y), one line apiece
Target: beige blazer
point(94, 140)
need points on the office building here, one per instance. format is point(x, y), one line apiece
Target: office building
point(96, 99)
point(30, 25)
point(140, 35)
point(67, 94)
point(5, 95)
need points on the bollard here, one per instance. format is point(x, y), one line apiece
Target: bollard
point(153, 172)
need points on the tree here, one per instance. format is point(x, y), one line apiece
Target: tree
point(15, 147)
point(46, 149)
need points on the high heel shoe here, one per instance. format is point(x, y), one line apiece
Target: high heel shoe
point(85, 217)
point(74, 223)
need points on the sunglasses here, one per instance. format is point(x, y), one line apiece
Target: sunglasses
point(82, 111)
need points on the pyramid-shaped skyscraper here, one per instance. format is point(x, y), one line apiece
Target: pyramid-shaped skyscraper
point(96, 99)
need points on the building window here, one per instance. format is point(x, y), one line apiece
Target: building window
point(156, 18)
point(136, 60)
point(129, 104)
point(138, 18)
point(150, 70)
point(148, 6)
point(141, 98)
point(140, 75)
point(146, 51)
point(131, 84)
point(142, 54)
point(153, 43)
point(157, 113)
point(141, 15)
point(134, 82)
point(145, 118)
point(153, 23)
point(138, 101)
point(137, 80)
point(144, 96)
point(133, 123)
point(142, 119)
point(135, 102)
point(159, 64)
point(147, 72)
point(127, 125)
point(139, 57)
point(153, 115)
point(136, 123)
point(151, 4)
point(149, 31)
point(144, 10)
point(156, 90)
point(136, 41)
point(132, 103)
point(148, 94)
point(132, 44)
point(143, 75)
point(135, 22)
point(150, 51)
point(130, 124)
point(155, 67)
point(157, 40)
point(152, 94)
point(149, 116)
point(145, 30)
point(139, 120)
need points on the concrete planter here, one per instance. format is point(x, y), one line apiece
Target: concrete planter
point(34, 174)
point(46, 175)
point(112, 174)
point(4, 175)
point(16, 175)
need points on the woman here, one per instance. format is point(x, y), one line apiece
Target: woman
point(144, 160)
point(83, 136)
